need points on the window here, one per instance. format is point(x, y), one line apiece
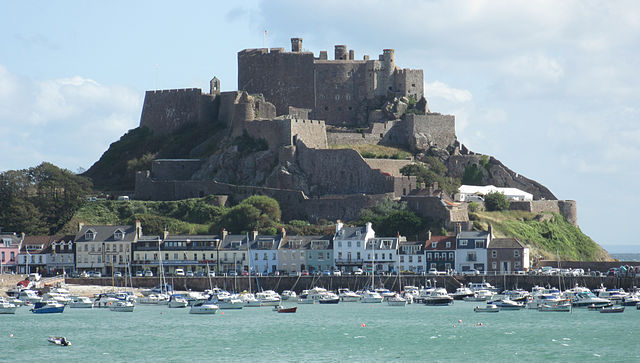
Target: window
point(256, 256)
point(175, 256)
point(447, 266)
point(419, 258)
point(86, 247)
point(264, 257)
point(137, 256)
point(429, 256)
point(340, 255)
point(494, 265)
point(376, 256)
point(451, 255)
point(99, 259)
point(471, 256)
point(119, 259)
point(410, 259)
point(329, 255)
point(516, 265)
point(121, 248)
point(349, 244)
point(89, 235)
point(320, 255)
point(516, 254)
point(93, 248)
point(339, 243)
point(434, 244)
point(274, 256)
point(358, 254)
point(3, 256)
point(463, 242)
point(368, 256)
point(494, 254)
point(479, 244)
point(433, 265)
point(401, 258)
point(13, 256)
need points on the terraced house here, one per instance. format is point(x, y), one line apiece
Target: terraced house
point(349, 246)
point(264, 252)
point(411, 256)
point(105, 249)
point(440, 252)
point(9, 250)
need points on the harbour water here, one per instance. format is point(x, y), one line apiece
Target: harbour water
point(345, 332)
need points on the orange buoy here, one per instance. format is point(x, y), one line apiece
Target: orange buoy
point(363, 325)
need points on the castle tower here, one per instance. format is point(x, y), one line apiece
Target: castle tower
point(214, 86)
point(340, 52)
point(388, 60)
point(296, 44)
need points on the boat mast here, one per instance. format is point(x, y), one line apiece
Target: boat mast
point(248, 263)
point(373, 261)
point(161, 272)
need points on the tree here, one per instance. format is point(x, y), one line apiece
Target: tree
point(403, 221)
point(496, 201)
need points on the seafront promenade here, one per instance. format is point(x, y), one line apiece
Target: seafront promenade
point(355, 282)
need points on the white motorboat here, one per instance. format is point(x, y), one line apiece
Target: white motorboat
point(616, 296)
point(506, 304)
point(612, 309)
point(7, 308)
point(438, 297)
point(370, 297)
point(81, 302)
point(249, 300)
point(177, 301)
point(385, 293)
point(489, 308)
point(268, 298)
point(631, 300)
point(561, 306)
point(204, 307)
point(347, 295)
point(397, 300)
point(229, 302)
point(329, 298)
point(542, 298)
point(306, 298)
point(122, 307)
point(476, 286)
point(461, 293)
point(194, 297)
point(480, 295)
point(288, 294)
point(410, 293)
point(29, 296)
point(62, 341)
point(585, 299)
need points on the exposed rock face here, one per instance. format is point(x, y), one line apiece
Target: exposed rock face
point(230, 166)
point(497, 174)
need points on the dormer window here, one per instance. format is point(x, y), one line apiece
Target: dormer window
point(90, 235)
point(434, 244)
point(118, 235)
point(448, 244)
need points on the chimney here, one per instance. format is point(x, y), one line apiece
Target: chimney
point(254, 234)
point(339, 225)
point(165, 234)
point(458, 228)
point(296, 44)
point(224, 234)
point(370, 228)
point(490, 231)
point(283, 232)
point(351, 54)
point(80, 225)
point(340, 52)
point(138, 229)
point(429, 235)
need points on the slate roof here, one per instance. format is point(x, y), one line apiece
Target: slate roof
point(473, 235)
point(307, 242)
point(38, 244)
point(441, 243)
point(266, 242)
point(234, 242)
point(505, 243)
point(355, 233)
point(106, 233)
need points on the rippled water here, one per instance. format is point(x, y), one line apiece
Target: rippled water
point(344, 332)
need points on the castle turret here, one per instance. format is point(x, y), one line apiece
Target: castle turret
point(214, 86)
point(340, 52)
point(388, 60)
point(296, 44)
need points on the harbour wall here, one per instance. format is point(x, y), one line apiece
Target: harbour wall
point(299, 283)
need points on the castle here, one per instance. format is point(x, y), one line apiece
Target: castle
point(301, 107)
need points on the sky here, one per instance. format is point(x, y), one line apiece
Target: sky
point(550, 88)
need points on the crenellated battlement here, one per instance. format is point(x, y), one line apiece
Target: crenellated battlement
point(175, 91)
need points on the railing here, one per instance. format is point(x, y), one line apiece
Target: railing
point(348, 262)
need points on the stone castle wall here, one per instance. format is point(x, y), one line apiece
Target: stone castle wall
point(174, 169)
point(390, 166)
point(566, 208)
point(293, 203)
point(423, 131)
point(432, 207)
point(269, 73)
point(167, 110)
point(285, 132)
point(341, 171)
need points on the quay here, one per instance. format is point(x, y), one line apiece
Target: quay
point(356, 282)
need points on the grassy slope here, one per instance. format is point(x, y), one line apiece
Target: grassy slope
point(544, 234)
point(376, 151)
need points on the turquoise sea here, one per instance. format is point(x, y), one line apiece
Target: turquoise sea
point(353, 332)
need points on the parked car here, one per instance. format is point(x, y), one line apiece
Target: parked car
point(117, 274)
point(471, 272)
point(326, 273)
point(178, 272)
point(200, 274)
point(212, 273)
point(148, 273)
point(139, 273)
point(189, 274)
point(337, 273)
point(304, 273)
point(244, 273)
point(358, 271)
point(232, 273)
point(96, 274)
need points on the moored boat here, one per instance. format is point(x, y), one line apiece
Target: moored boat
point(612, 309)
point(369, 296)
point(489, 308)
point(203, 307)
point(397, 300)
point(438, 297)
point(7, 308)
point(47, 307)
point(282, 309)
point(564, 306)
point(81, 302)
point(176, 301)
point(506, 304)
point(288, 294)
point(122, 307)
point(347, 295)
point(62, 341)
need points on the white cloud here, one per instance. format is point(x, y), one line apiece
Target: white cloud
point(437, 89)
point(67, 121)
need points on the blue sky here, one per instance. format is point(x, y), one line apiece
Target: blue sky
point(550, 88)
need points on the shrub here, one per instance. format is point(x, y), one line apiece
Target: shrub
point(496, 201)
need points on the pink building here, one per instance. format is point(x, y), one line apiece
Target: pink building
point(9, 249)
